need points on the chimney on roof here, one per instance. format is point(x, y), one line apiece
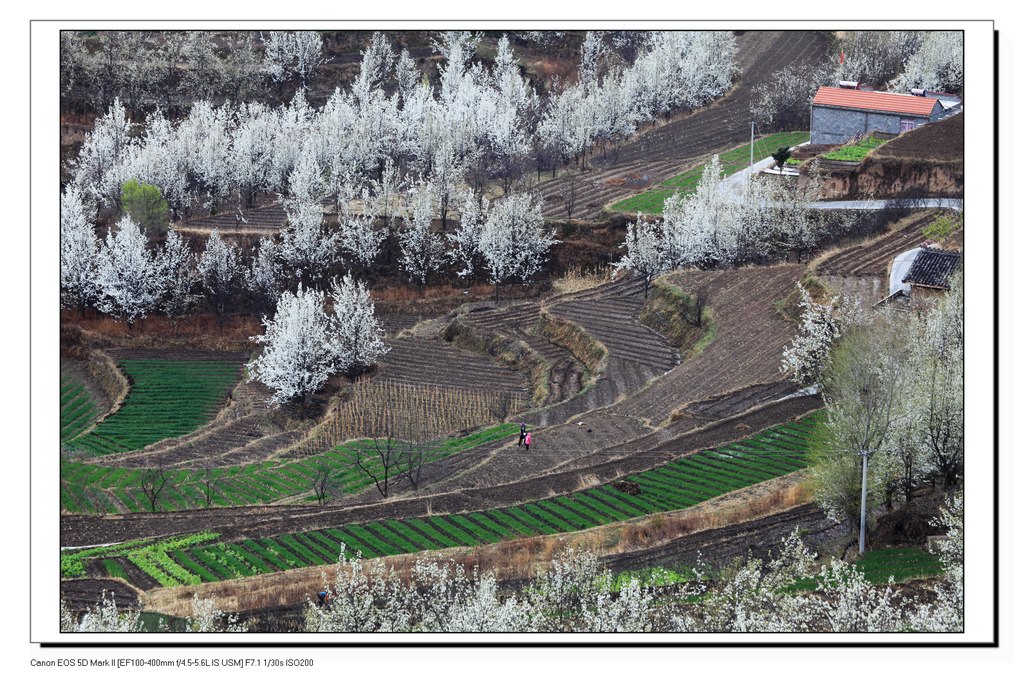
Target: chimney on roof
point(849, 85)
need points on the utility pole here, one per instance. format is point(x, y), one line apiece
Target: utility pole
point(751, 144)
point(863, 497)
point(750, 168)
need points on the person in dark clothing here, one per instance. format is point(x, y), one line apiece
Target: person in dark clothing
point(323, 599)
point(522, 433)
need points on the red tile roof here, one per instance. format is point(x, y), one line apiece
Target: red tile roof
point(875, 101)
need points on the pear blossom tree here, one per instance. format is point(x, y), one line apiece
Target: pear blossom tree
point(130, 278)
point(644, 256)
point(264, 276)
point(939, 396)
point(304, 345)
point(464, 241)
point(79, 248)
point(361, 237)
point(421, 245)
point(938, 64)
point(514, 239)
point(307, 249)
point(300, 350)
point(220, 269)
point(359, 335)
point(179, 267)
point(821, 327)
point(292, 53)
point(98, 170)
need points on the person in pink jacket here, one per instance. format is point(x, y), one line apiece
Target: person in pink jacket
point(529, 439)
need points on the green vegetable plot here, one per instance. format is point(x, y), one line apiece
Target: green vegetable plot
point(78, 410)
point(679, 484)
point(168, 398)
point(855, 151)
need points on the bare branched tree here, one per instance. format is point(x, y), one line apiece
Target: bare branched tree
point(153, 482)
point(321, 482)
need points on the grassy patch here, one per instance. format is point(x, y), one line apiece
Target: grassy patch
point(942, 227)
point(901, 564)
point(735, 159)
point(584, 346)
point(789, 306)
point(671, 312)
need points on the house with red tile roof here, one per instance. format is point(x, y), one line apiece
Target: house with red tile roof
point(839, 114)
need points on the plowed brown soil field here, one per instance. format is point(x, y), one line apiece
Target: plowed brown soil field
point(667, 149)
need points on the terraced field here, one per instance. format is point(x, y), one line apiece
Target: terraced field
point(747, 349)
point(168, 398)
point(874, 257)
point(430, 362)
point(96, 489)
point(676, 485)
point(78, 408)
point(258, 221)
point(666, 149)
point(565, 374)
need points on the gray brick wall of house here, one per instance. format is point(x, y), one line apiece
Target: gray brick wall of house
point(832, 126)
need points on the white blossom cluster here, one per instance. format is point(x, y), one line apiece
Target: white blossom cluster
point(721, 225)
point(475, 119)
point(821, 326)
point(304, 344)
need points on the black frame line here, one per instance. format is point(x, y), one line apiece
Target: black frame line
point(549, 645)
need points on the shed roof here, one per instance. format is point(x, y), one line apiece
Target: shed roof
point(932, 268)
point(875, 101)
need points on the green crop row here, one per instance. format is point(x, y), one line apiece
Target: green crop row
point(87, 488)
point(78, 410)
point(167, 399)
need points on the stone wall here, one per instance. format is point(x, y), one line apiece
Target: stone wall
point(832, 126)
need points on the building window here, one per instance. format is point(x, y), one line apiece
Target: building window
point(907, 124)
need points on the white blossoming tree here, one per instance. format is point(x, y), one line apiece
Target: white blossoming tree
point(644, 244)
point(821, 326)
point(307, 249)
point(299, 349)
point(359, 336)
point(129, 277)
point(938, 63)
point(263, 278)
point(304, 345)
point(78, 251)
point(464, 241)
point(514, 239)
point(220, 269)
point(421, 245)
point(361, 237)
point(179, 267)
